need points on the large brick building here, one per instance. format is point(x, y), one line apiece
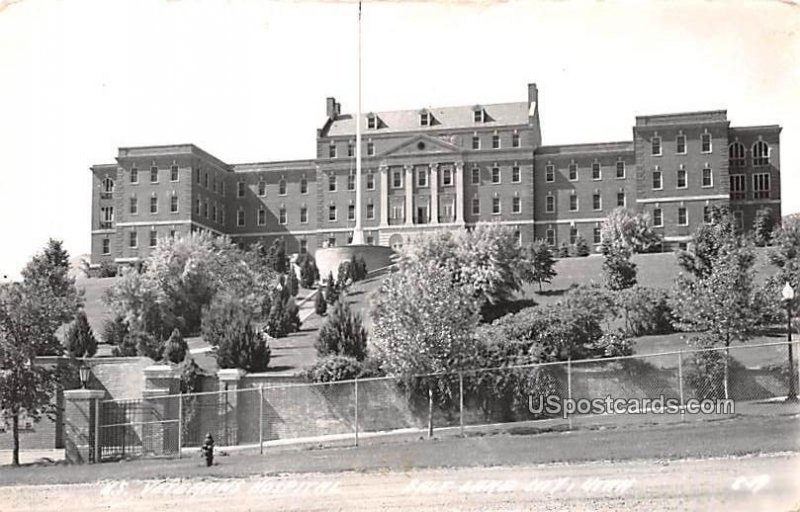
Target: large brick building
point(440, 168)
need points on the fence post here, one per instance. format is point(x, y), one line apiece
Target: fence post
point(461, 401)
point(680, 380)
point(261, 418)
point(430, 412)
point(180, 425)
point(355, 412)
point(569, 388)
point(97, 407)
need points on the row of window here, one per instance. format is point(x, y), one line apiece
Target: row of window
point(574, 203)
point(202, 179)
point(476, 143)
point(761, 186)
point(656, 147)
point(736, 154)
point(241, 187)
point(426, 118)
point(707, 178)
point(133, 205)
point(209, 210)
point(133, 240)
point(174, 175)
point(572, 171)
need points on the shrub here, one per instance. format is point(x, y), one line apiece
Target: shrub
point(563, 250)
point(614, 344)
point(335, 367)
point(292, 284)
point(107, 269)
point(308, 271)
point(79, 339)
point(320, 306)
point(342, 334)
point(241, 346)
point(644, 311)
point(175, 348)
point(146, 345)
point(127, 347)
point(581, 247)
point(115, 330)
point(618, 269)
point(331, 290)
point(224, 309)
point(542, 263)
point(284, 317)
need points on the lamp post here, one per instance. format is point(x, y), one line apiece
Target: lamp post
point(83, 373)
point(788, 296)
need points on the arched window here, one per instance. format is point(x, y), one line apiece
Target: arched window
point(108, 185)
point(760, 153)
point(736, 155)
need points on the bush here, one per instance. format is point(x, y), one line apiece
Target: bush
point(581, 247)
point(563, 250)
point(308, 271)
point(115, 330)
point(127, 347)
point(644, 311)
point(292, 284)
point(284, 317)
point(224, 309)
point(79, 339)
point(175, 348)
point(146, 345)
point(614, 344)
point(241, 346)
point(320, 306)
point(618, 269)
point(107, 269)
point(331, 290)
point(335, 367)
point(342, 334)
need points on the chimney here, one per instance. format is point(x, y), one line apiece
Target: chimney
point(331, 108)
point(533, 94)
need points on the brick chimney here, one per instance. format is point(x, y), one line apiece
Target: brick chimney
point(332, 108)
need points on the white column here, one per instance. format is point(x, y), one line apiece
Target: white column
point(409, 194)
point(459, 213)
point(384, 170)
point(434, 180)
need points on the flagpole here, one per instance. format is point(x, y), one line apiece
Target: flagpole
point(358, 233)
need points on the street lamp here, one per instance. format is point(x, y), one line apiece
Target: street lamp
point(788, 297)
point(83, 373)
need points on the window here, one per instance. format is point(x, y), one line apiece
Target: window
point(370, 211)
point(597, 201)
point(397, 179)
point(515, 175)
point(108, 186)
point(706, 214)
point(476, 206)
point(476, 142)
point(760, 154)
point(332, 212)
point(172, 233)
point(476, 175)
point(573, 234)
point(133, 240)
point(573, 203)
point(683, 219)
point(655, 148)
point(154, 204)
point(240, 189)
point(134, 206)
point(736, 155)
point(658, 218)
point(495, 205)
point(222, 215)
point(596, 174)
point(738, 186)
point(106, 215)
point(332, 183)
point(349, 148)
point(738, 219)
point(422, 177)
point(621, 199)
point(205, 209)
point(215, 185)
point(134, 175)
point(596, 235)
point(620, 169)
point(154, 174)
point(370, 148)
point(495, 141)
point(495, 175)
point(282, 216)
point(332, 150)
point(761, 186)
point(351, 212)
point(372, 122)
point(370, 180)
point(515, 140)
point(303, 185)
point(708, 177)
point(240, 221)
point(205, 180)
point(351, 182)
point(153, 238)
point(680, 144)
point(303, 215)
point(424, 119)
point(197, 207)
point(262, 188)
point(705, 143)
point(681, 178)
point(550, 236)
point(397, 211)
point(516, 205)
point(106, 246)
point(658, 183)
point(261, 217)
point(173, 173)
point(478, 115)
point(550, 204)
point(331, 240)
point(573, 172)
point(222, 188)
point(447, 176)
point(214, 212)
point(550, 173)
point(282, 187)
point(303, 246)
point(198, 174)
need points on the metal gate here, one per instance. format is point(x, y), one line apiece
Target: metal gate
point(139, 427)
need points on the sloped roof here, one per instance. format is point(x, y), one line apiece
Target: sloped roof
point(497, 114)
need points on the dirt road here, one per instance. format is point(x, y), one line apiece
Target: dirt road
point(731, 484)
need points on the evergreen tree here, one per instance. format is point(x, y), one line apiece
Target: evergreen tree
point(175, 348)
point(543, 263)
point(127, 347)
point(581, 247)
point(79, 339)
point(345, 275)
point(763, 225)
point(618, 269)
point(292, 284)
point(320, 306)
point(276, 256)
point(115, 330)
point(331, 290)
point(342, 334)
point(563, 250)
point(308, 271)
point(241, 346)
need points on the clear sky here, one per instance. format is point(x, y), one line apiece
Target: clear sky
point(247, 80)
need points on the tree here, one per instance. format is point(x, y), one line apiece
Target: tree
point(284, 317)
point(581, 247)
point(276, 256)
point(308, 271)
point(320, 306)
point(115, 330)
point(241, 346)
point(146, 345)
point(543, 263)
point(710, 240)
point(79, 339)
point(292, 283)
point(763, 226)
point(331, 290)
point(175, 348)
point(623, 229)
point(563, 250)
point(30, 314)
point(342, 334)
point(618, 269)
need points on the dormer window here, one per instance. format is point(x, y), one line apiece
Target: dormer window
point(372, 121)
point(479, 115)
point(424, 119)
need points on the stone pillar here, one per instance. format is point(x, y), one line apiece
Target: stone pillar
point(384, 170)
point(459, 213)
point(229, 382)
point(434, 193)
point(161, 404)
point(80, 424)
point(409, 194)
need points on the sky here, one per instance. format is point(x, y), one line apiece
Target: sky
point(246, 80)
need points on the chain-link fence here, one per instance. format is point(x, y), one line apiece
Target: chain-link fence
point(656, 388)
